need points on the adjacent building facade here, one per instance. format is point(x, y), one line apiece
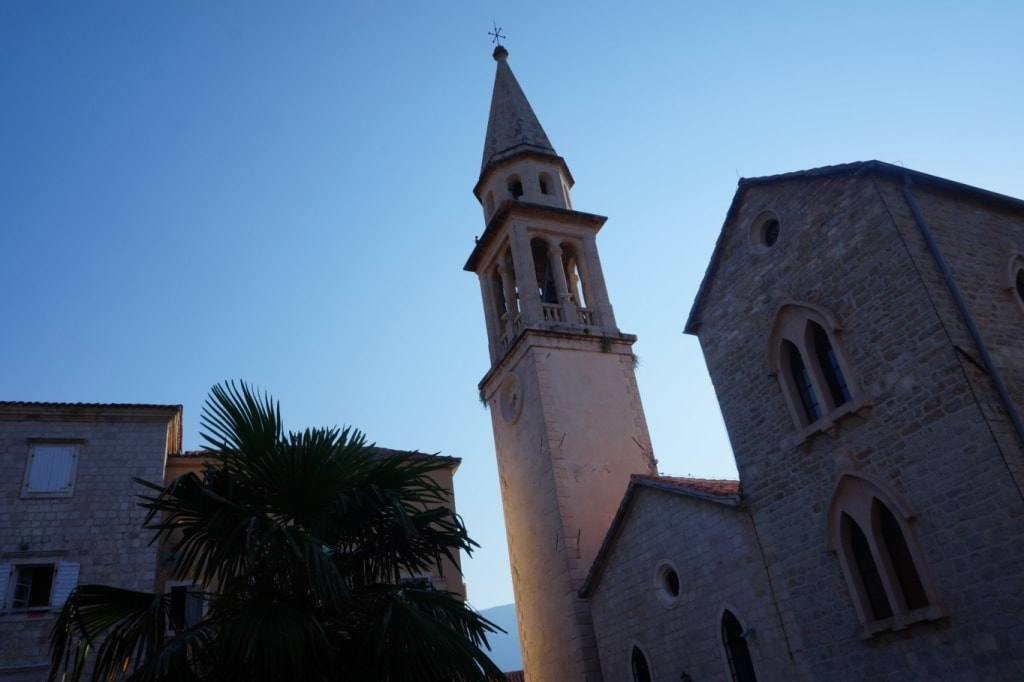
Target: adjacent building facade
point(69, 514)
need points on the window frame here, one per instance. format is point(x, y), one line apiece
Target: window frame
point(793, 324)
point(1014, 270)
point(61, 585)
point(633, 650)
point(856, 496)
point(191, 589)
point(68, 491)
point(746, 634)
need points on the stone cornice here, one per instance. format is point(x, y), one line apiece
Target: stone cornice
point(620, 344)
point(513, 209)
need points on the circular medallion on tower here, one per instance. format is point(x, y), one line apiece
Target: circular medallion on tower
point(510, 399)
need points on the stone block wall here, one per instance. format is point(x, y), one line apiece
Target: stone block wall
point(714, 551)
point(564, 463)
point(922, 429)
point(99, 526)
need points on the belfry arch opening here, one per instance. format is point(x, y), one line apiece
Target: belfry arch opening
point(547, 287)
point(573, 276)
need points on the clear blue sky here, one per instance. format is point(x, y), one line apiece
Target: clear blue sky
point(196, 191)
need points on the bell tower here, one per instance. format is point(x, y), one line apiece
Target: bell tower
point(569, 428)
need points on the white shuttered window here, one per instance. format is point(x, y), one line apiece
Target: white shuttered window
point(65, 581)
point(51, 469)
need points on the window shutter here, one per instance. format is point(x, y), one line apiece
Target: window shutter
point(60, 468)
point(65, 581)
point(193, 607)
point(5, 580)
point(39, 469)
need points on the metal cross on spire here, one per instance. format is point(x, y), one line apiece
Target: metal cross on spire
point(496, 35)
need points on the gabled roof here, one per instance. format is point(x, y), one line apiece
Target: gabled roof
point(512, 127)
point(718, 491)
point(878, 168)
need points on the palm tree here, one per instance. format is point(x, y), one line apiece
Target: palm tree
point(301, 540)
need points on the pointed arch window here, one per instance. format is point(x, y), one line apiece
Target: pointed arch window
point(737, 651)
point(805, 355)
point(829, 363)
point(867, 570)
point(801, 379)
point(881, 561)
point(638, 663)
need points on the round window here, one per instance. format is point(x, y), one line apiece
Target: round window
point(770, 232)
point(765, 230)
point(666, 580)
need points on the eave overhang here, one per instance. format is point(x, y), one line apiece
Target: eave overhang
point(527, 209)
point(528, 153)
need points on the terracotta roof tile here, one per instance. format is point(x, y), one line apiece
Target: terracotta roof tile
point(515, 676)
point(720, 487)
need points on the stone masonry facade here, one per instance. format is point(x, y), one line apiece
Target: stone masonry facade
point(926, 427)
point(98, 527)
point(94, 534)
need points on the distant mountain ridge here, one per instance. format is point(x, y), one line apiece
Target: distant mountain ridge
point(504, 647)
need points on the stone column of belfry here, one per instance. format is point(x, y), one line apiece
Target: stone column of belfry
point(569, 428)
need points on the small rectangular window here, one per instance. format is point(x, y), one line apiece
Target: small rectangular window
point(51, 469)
point(187, 606)
point(33, 585)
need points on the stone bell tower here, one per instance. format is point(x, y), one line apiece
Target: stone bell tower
point(569, 428)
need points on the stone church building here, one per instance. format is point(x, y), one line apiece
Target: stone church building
point(862, 325)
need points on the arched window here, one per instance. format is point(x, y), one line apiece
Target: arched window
point(515, 186)
point(806, 358)
point(498, 288)
point(545, 183)
point(545, 276)
point(801, 379)
point(829, 364)
point(573, 276)
point(638, 662)
point(741, 665)
point(1019, 284)
point(881, 562)
point(899, 555)
point(867, 570)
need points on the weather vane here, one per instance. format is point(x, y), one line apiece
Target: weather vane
point(496, 35)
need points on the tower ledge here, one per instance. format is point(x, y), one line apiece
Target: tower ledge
point(526, 208)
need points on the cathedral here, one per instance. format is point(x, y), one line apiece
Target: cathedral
point(862, 327)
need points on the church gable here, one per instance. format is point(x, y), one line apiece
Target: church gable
point(681, 554)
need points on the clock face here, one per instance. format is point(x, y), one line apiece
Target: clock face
point(511, 399)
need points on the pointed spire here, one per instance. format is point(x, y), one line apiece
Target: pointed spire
point(512, 126)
